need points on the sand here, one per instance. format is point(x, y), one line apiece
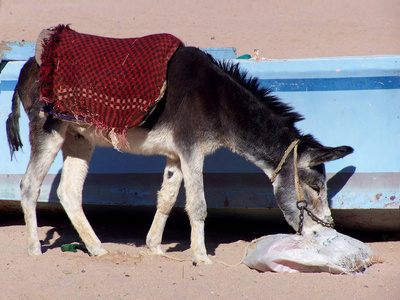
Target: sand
point(280, 30)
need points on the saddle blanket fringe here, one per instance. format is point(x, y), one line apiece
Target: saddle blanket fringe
point(111, 83)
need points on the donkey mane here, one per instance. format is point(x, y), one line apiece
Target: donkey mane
point(263, 94)
point(272, 102)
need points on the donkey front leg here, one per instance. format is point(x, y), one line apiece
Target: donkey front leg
point(166, 199)
point(77, 152)
point(44, 148)
point(196, 206)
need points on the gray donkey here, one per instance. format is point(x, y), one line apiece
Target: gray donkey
point(207, 104)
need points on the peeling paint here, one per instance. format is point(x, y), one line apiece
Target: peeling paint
point(10, 51)
point(4, 48)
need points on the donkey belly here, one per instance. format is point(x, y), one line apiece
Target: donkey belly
point(138, 140)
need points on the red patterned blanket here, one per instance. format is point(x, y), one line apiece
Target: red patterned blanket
point(111, 83)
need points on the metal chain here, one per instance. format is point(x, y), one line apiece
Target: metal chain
point(301, 205)
point(318, 220)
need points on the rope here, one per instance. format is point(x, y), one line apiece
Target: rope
point(287, 152)
point(299, 192)
point(300, 202)
point(244, 254)
point(174, 258)
point(220, 261)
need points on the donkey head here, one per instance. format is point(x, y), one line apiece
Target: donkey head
point(311, 185)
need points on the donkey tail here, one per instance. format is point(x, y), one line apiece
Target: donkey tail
point(12, 125)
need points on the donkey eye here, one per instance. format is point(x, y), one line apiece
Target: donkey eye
point(315, 188)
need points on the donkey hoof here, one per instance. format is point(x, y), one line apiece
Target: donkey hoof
point(156, 250)
point(204, 260)
point(98, 252)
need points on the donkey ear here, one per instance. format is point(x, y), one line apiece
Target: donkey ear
point(325, 154)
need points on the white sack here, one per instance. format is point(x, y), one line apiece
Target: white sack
point(329, 251)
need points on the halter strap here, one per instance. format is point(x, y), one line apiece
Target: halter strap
point(287, 152)
point(301, 203)
point(299, 191)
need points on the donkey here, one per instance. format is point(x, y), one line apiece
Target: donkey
point(207, 104)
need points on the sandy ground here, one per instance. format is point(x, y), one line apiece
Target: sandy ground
point(131, 272)
point(279, 29)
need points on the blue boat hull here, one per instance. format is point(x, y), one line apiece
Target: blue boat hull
point(346, 101)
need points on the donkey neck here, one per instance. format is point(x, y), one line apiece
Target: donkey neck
point(266, 152)
point(261, 133)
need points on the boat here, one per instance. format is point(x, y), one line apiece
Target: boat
point(345, 101)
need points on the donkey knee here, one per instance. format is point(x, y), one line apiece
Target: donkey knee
point(165, 202)
point(197, 211)
point(64, 196)
point(168, 193)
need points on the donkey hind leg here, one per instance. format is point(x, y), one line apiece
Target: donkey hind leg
point(196, 207)
point(77, 152)
point(44, 149)
point(166, 199)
